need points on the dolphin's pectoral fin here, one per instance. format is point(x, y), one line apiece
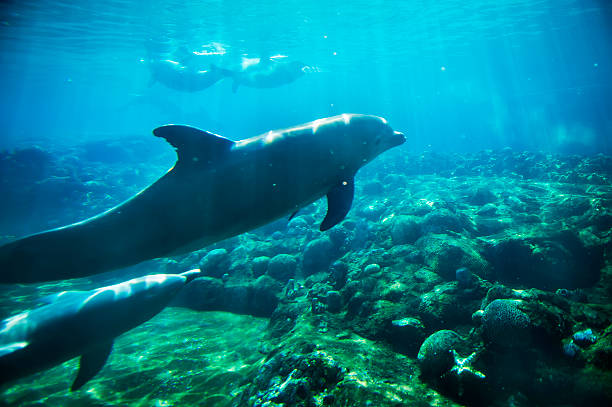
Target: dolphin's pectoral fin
point(235, 85)
point(91, 363)
point(12, 347)
point(293, 215)
point(194, 146)
point(339, 201)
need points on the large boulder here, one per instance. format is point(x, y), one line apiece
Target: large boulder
point(216, 263)
point(557, 260)
point(282, 267)
point(445, 254)
point(405, 230)
point(318, 255)
point(210, 294)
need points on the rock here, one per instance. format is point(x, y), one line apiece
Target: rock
point(405, 230)
point(372, 212)
point(239, 259)
point(487, 210)
point(355, 303)
point(427, 279)
point(297, 226)
point(282, 267)
point(170, 266)
point(375, 321)
point(339, 236)
point(444, 221)
point(373, 188)
point(435, 355)
point(445, 303)
point(371, 269)
point(318, 255)
point(482, 196)
point(464, 277)
point(600, 353)
point(406, 334)
point(333, 301)
point(445, 254)
point(505, 325)
point(490, 226)
point(573, 205)
point(294, 377)
point(210, 294)
point(190, 261)
point(339, 272)
point(215, 263)
point(285, 316)
point(259, 265)
point(560, 260)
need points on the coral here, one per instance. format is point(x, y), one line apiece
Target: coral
point(436, 353)
point(290, 378)
point(505, 325)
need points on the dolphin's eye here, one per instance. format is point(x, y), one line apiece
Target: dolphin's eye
point(378, 139)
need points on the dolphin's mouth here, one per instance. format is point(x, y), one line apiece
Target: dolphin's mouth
point(398, 138)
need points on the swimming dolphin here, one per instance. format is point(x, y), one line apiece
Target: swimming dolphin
point(217, 189)
point(82, 323)
point(268, 73)
point(183, 78)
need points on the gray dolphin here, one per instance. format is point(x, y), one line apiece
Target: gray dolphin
point(82, 323)
point(183, 78)
point(268, 73)
point(218, 188)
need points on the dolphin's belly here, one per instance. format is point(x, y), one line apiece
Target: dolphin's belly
point(237, 201)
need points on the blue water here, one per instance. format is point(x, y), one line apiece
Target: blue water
point(452, 75)
point(470, 211)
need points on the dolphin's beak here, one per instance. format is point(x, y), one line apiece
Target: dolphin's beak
point(191, 274)
point(398, 138)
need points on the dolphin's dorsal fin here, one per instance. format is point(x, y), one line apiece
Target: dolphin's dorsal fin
point(194, 146)
point(339, 201)
point(91, 363)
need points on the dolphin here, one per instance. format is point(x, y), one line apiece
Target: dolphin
point(180, 77)
point(217, 189)
point(82, 323)
point(268, 73)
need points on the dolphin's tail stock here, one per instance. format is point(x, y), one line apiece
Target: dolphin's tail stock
point(235, 84)
point(223, 72)
point(27, 260)
point(53, 255)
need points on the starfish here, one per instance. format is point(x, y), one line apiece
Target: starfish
point(464, 365)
